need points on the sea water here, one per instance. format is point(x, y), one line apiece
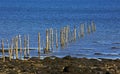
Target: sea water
point(32, 16)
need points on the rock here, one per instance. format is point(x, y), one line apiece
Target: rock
point(6, 70)
point(107, 72)
point(71, 69)
point(67, 57)
point(66, 65)
point(12, 72)
point(13, 68)
point(19, 71)
point(35, 59)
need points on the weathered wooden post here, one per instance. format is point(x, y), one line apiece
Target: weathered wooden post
point(72, 36)
point(3, 54)
point(79, 31)
point(62, 38)
point(16, 41)
point(10, 53)
point(56, 38)
point(20, 46)
point(13, 42)
point(93, 26)
point(14, 47)
point(28, 49)
point(74, 33)
point(67, 34)
point(9, 50)
point(88, 29)
point(10, 57)
point(64, 35)
point(52, 41)
point(49, 39)
point(25, 46)
point(39, 44)
point(47, 42)
point(8, 46)
point(82, 30)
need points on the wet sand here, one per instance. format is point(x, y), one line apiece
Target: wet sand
point(66, 65)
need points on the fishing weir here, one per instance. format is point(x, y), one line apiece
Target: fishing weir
point(18, 48)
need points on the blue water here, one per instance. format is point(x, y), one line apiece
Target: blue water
point(33, 16)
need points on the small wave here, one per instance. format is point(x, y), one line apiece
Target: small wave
point(107, 54)
point(87, 48)
point(112, 54)
point(98, 54)
point(115, 47)
point(102, 42)
point(116, 43)
point(80, 54)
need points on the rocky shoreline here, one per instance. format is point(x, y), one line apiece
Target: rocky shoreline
point(65, 65)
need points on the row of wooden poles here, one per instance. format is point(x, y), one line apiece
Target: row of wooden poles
point(13, 47)
point(66, 36)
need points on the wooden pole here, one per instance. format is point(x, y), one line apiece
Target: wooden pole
point(14, 47)
point(9, 50)
point(64, 35)
point(24, 46)
point(47, 42)
point(67, 34)
point(10, 53)
point(89, 29)
point(13, 42)
point(28, 49)
point(49, 39)
point(74, 33)
point(93, 26)
point(79, 31)
point(20, 46)
point(39, 44)
point(61, 38)
point(3, 54)
point(82, 30)
point(71, 36)
point(16, 41)
point(52, 41)
point(8, 46)
point(56, 38)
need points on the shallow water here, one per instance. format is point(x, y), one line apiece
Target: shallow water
point(33, 16)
